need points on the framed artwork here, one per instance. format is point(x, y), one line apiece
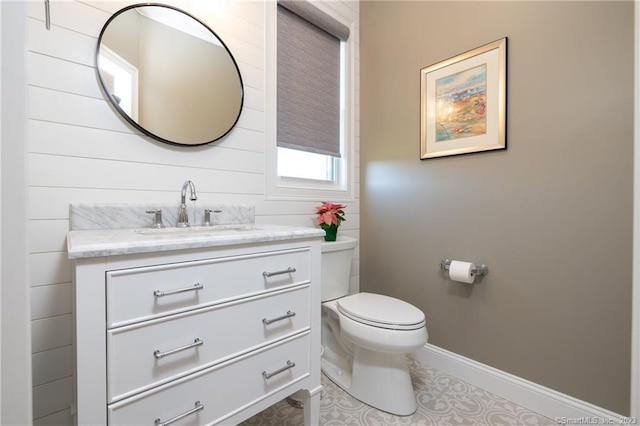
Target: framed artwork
point(464, 102)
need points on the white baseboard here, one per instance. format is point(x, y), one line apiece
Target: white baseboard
point(561, 408)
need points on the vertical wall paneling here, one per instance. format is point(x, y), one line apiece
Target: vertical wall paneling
point(79, 150)
point(15, 371)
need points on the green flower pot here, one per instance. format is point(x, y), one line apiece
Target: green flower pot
point(330, 232)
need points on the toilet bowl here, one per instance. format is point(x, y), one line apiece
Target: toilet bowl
point(366, 336)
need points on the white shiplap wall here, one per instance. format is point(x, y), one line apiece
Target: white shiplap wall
point(80, 151)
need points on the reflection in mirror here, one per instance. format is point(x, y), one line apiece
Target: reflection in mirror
point(169, 75)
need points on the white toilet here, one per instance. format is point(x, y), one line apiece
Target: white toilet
point(365, 336)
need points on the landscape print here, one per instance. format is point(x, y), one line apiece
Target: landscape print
point(461, 104)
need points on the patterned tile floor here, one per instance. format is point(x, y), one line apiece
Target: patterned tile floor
point(442, 400)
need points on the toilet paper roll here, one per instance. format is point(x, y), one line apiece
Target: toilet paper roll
point(461, 271)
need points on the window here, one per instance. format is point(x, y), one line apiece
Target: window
point(122, 78)
point(293, 163)
point(312, 131)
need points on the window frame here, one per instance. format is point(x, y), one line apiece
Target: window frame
point(288, 188)
point(131, 71)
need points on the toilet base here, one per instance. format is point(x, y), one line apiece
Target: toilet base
point(381, 380)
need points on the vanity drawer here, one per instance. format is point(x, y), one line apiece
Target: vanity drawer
point(222, 390)
point(190, 341)
point(139, 294)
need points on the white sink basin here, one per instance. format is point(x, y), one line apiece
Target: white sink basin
point(193, 230)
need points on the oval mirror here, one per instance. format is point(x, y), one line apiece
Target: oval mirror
point(169, 74)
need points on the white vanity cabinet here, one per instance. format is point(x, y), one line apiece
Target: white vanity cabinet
point(204, 335)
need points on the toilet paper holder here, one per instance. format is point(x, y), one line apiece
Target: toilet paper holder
point(479, 270)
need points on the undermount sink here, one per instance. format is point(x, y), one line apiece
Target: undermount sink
point(191, 230)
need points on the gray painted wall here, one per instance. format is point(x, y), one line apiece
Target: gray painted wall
point(551, 216)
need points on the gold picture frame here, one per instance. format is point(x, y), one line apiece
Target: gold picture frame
point(463, 103)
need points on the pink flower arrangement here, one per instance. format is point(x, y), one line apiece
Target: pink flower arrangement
point(330, 214)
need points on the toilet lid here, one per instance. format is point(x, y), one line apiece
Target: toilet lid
point(381, 311)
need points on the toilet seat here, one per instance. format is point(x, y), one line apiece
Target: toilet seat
point(381, 311)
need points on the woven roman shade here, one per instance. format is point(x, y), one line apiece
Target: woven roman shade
point(308, 88)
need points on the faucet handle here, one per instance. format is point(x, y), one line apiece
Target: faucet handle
point(157, 219)
point(207, 215)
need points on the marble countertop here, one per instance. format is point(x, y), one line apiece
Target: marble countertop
point(109, 242)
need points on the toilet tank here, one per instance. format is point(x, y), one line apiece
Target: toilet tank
point(336, 267)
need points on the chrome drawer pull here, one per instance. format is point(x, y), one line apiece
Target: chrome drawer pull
point(289, 314)
point(195, 344)
point(160, 293)
point(198, 406)
point(289, 365)
point(286, 271)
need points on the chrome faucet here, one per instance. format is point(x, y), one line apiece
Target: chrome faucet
point(183, 219)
